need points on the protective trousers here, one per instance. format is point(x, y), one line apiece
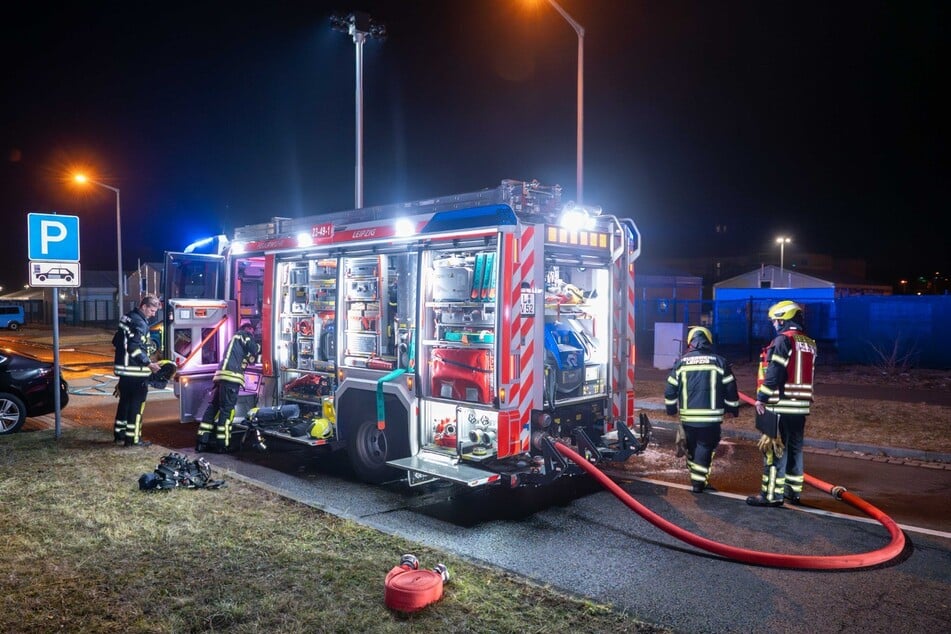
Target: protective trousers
point(702, 442)
point(217, 419)
point(133, 390)
point(783, 475)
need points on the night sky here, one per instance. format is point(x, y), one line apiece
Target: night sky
point(716, 126)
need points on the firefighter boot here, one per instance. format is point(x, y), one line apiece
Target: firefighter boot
point(792, 497)
point(204, 440)
point(762, 500)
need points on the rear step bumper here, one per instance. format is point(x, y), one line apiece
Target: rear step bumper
point(424, 468)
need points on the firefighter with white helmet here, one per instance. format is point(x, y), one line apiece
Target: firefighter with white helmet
point(701, 386)
point(785, 388)
point(133, 366)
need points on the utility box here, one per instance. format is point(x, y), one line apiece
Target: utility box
point(668, 344)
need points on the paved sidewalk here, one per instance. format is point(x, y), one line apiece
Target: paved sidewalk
point(897, 455)
point(893, 393)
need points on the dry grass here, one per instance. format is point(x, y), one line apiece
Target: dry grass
point(85, 551)
point(862, 421)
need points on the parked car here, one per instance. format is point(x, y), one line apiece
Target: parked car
point(26, 389)
point(11, 316)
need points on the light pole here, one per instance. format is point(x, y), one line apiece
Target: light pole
point(782, 241)
point(580, 149)
point(358, 25)
point(81, 178)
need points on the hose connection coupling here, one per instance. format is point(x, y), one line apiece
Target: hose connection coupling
point(409, 562)
point(837, 492)
point(442, 571)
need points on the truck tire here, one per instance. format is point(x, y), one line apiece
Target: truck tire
point(369, 448)
point(12, 413)
point(14, 325)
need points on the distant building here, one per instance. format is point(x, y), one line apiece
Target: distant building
point(847, 274)
point(146, 280)
point(91, 303)
point(772, 277)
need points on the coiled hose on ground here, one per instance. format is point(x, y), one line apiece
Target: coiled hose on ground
point(776, 560)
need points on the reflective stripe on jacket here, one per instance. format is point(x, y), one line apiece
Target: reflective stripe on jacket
point(242, 350)
point(787, 371)
point(702, 387)
point(131, 343)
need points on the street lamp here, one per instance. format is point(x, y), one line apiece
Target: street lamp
point(82, 178)
point(782, 241)
point(580, 149)
point(358, 25)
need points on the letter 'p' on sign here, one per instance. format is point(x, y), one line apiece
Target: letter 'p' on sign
point(53, 237)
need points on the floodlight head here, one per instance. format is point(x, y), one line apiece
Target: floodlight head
point(378, 31)
point(339, 22)
point(357, 22)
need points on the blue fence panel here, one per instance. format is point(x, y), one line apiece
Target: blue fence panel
point(903, 329)
point(862, 330)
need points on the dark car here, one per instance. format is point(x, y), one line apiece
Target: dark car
point(26, 389)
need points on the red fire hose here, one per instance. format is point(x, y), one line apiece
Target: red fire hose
point(409, 589)
point(776, 560)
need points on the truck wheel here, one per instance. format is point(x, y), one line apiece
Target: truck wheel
point(12, 413)
point(14, 325)
point(369, 448)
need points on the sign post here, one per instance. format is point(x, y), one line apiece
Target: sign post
point(54, 261)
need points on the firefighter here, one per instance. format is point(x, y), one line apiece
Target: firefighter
point(134, 368)
point(702, 387)
point(784, 387)
point(214, 431)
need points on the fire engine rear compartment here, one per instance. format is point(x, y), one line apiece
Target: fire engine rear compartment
point(445, 356)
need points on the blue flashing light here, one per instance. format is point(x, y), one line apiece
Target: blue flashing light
point(470, 218)
point(213, 245)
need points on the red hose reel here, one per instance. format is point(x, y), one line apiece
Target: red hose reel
point(409, 589)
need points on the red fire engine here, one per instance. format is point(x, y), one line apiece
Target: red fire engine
point(450, 338)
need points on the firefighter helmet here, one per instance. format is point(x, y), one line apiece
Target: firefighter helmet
point(699, 334)
point(784, 310)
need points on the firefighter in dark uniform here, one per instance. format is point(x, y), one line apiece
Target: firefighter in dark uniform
point(785, 387)
point(702, 387)
point(214, 431)
point(133, 367)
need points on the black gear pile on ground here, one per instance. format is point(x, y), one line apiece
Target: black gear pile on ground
point(176, 471)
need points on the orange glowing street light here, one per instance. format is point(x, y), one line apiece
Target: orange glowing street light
point(82, 179)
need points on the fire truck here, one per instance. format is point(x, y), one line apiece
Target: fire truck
point(445, 339)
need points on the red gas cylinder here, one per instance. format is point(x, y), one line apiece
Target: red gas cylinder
point(409, 589)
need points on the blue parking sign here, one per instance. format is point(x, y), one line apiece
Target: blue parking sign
point(53, 237)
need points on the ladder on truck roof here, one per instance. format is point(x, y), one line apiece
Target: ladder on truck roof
point(524, 199)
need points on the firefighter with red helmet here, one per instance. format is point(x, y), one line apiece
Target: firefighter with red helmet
point(701, 386)
point(785, 388)
point(214, 430)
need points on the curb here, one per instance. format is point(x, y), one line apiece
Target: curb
point(897, 455)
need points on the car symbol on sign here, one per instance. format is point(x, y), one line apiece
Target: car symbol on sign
point(56, 274)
